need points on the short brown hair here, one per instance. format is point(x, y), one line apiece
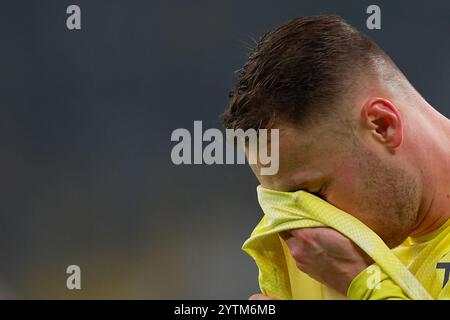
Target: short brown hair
point(296, 69)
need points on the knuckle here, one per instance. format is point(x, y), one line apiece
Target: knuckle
point(296, 253)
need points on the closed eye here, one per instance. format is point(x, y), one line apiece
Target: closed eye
point(318, 194)
point(321, 193)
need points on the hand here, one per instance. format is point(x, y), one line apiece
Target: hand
point(327, 256)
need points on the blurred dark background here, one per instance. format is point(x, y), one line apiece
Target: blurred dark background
point(85, 124)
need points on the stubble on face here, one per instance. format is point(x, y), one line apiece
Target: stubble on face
point(391, 196)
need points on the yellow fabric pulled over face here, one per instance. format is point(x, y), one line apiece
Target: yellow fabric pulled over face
point(278, 274)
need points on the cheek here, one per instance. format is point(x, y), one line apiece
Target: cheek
point(346, 191)
point(352, 194)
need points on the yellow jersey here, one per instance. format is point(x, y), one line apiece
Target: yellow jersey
point(426, 257)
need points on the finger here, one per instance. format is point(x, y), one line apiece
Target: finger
point(302, 233)
point(297, 248)
point(260, 296)
point(308, 234)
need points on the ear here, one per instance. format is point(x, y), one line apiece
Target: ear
point(383, 119)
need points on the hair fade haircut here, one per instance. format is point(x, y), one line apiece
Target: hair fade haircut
point(298, 71)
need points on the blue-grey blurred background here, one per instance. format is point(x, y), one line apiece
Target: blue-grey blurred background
point(86, 116)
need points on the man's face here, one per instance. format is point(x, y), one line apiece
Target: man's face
point(353, 174)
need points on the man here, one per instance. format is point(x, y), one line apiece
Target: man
point(355, 132)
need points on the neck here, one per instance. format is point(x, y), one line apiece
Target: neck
point(433, 162)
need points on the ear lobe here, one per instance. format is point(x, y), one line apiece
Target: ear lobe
point(383, 119)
